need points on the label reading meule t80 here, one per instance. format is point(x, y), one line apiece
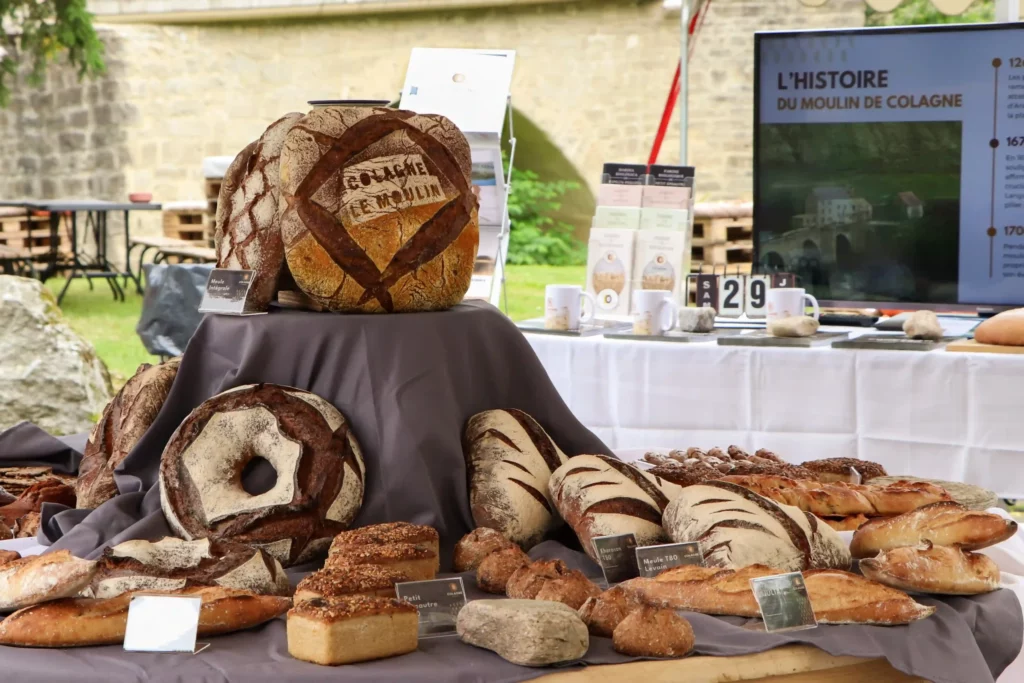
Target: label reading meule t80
point(438, 603)
point(651, 560)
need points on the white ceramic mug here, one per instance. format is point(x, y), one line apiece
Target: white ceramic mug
point(566, 306)
point(787, 302)
point(654, 312)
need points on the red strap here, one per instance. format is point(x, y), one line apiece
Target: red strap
point(673, 93)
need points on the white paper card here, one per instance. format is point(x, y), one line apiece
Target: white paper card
point(470, 87)
point(162, 623)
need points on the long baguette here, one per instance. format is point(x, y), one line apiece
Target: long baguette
point(840, 499)
point(39, 578)
point(837, 597)
point(947, 524)
point(78, 622)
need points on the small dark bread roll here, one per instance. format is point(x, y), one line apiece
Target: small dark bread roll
point(493, 572)
point(653, 632)
point(573, 590)
point(471, 550)
point(603, 613)
point(551, 580)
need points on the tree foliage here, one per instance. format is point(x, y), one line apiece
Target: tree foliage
point(536, 237)
point(923, 12)
point(37, 32)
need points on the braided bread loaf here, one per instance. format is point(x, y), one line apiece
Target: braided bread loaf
point(601, 496)
point(839, 499)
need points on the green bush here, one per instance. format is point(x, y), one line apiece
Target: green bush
point(536, 238)
point(918, 12)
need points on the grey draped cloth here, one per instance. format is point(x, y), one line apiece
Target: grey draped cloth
point(407, 384)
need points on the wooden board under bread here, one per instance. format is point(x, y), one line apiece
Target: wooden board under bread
point(972, 346)
point(791, 664)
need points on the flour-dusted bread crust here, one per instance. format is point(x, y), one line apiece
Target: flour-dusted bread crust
point(837, 597)
point(602, 496)
point(125, 419)
point(839, 499)
point(602, 613)
point(933, 569)
point(248, 231)
point(509, 460)
point(1003, 329)
point(79, 622)
point(472, 548)
point(653, 632)
point(173, 564)
point(40, 578)
point(377, 210)
point(320, 472)
point(345, 630)
point(736, 527)
point(940, 523)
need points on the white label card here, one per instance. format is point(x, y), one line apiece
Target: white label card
point(732, 296)
point(162, 623)
point(757, 295)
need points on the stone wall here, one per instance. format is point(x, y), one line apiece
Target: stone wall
point(592, 75)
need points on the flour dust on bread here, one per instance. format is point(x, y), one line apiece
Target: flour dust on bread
point(509, 460)
point(377, 210)
point(318, 464)
point(936, 569)
point(946, 524)
point(172, 564)
point(125, 419)
point(41, 578)
point(602, 496)
point(736, 527)
point(248, 231)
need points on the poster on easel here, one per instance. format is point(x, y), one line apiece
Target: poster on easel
point(471, 87)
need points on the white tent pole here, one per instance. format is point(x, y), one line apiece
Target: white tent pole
point(1007, 10)
point(684, 51)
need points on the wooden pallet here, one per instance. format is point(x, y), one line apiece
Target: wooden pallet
point(723, 235)
point(189, 225)
point(28, 236)
point(212, 192)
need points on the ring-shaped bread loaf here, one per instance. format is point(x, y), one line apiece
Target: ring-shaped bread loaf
point(319, 466)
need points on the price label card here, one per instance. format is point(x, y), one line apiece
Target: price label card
point(654, 559)
point(732, 296)
point(707, 291)
point(757, 296)
point(783, 602)
point(617, 557)
point(438, 603)
point(783, 280)
point(227, 292)
point(162, 623)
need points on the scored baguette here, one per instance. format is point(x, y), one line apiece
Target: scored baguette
point(837, 597)
point(933, 569)
point(39, 578)
point(944, 523)
point(77, 622)
point(839, 499)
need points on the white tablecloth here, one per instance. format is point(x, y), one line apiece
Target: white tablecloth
point(943, 415)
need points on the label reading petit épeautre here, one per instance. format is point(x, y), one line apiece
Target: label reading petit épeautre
point(438, 602)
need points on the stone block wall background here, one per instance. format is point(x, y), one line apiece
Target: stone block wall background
point(592, 75)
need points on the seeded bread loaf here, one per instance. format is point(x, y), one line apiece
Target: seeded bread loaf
point(339, 581)
point(354, 629)
point(418, 562)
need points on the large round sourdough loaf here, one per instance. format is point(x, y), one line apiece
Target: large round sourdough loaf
point(248, 234)
point(318, 464)
point(377, 210)
point(125, 419)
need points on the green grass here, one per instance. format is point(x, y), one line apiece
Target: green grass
point(110, 325)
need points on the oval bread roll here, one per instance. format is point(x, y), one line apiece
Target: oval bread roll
point(933, 569)
point(1004, 329)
